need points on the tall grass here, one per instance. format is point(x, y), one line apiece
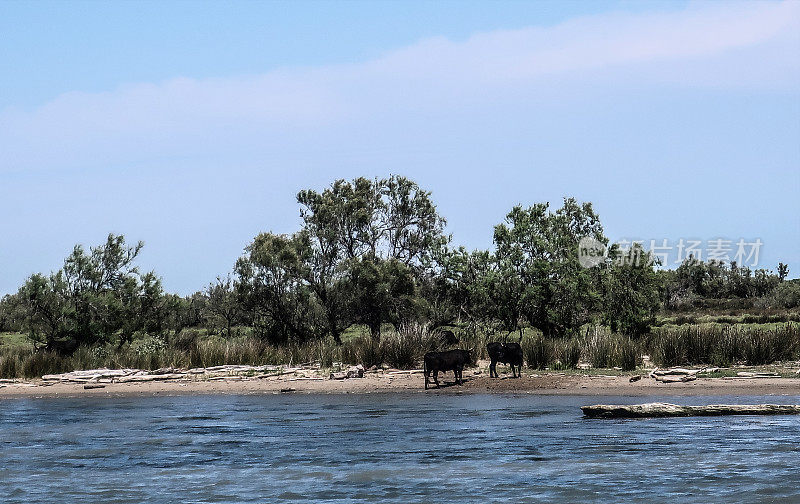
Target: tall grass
point(608, 350)
point(538, 352)
point(723, 346)
point(405, 348)
point(569, 352)
point(668, 346)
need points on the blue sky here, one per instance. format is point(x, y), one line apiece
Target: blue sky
point(192, 125)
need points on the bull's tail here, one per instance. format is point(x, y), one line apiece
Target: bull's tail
point(425, 372)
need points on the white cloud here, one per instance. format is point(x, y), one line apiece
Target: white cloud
point(596, 42)
point(753, 45)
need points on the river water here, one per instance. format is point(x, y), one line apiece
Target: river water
point(388, 448)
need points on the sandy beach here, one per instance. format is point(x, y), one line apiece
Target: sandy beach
point(388, 381)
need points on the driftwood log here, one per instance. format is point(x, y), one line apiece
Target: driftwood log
point(225, 372)
point(656, 410)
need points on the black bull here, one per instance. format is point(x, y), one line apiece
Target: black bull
point(507, 353)
point(451, 360)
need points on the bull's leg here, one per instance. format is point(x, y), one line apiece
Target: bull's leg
point(492, 370)
point(426, 373)
point(436, 377)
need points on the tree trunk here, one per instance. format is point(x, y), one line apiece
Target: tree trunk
point(375, 332)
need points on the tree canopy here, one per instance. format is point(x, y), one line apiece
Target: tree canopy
point(375, 252)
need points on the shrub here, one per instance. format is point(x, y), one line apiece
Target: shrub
point(785, 295)
point(569, 353)
point(400, 351)
point(10, 366)
point(722, 347)
point(600, 350)
point(767, 346)
point(363, 350)
point(42, 363)
point(727, 349)
point(538, 352)
point(668, 349)
point(186, 339)
point(626, 353)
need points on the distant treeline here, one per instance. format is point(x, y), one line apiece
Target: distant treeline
point(374, 252)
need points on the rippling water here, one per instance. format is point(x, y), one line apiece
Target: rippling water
point(388, 448)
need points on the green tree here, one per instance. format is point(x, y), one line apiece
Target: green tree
point(631, 291)
point(92, 298)
point(383, 291)
point(223, 306)
point(455, 289)
point(783, 271)
point(280, 305)
point(11, 314)
point(359, 235)
point(539, 278)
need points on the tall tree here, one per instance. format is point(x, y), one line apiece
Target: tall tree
point(783, 271)
point(223, 305)
point(539, 278)
point(92, 298)
point(280, 304)
point(367, 241)
point(631, 289)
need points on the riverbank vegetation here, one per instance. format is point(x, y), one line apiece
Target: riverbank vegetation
point(372, 278)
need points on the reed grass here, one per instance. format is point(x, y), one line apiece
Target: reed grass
point(714, 344)
point(538, 352)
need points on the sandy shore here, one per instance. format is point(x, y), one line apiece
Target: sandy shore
point(412, 382)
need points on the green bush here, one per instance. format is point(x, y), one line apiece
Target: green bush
point(363, 350)
point(41, 363)
point(668, 349)
point(785, 295)
point(600, 350)
point(405, 348)
point(538, 352)
point(569, 353)
point(626, 353)
point(10, 366)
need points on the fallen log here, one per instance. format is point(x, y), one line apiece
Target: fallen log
point(84, 376)
point(745, 374)
point(660, 410)
point(675, 378)
point(149, 378)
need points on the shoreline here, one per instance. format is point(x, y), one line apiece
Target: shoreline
point(412, 382)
